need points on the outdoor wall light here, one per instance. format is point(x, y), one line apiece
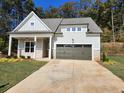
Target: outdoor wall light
point(72, 40)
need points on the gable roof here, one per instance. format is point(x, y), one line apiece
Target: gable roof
point(54, 24)
point(27, 18)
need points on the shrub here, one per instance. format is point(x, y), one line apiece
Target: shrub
point(15, 57)
point(9, 57)
point(8, 60)
point(105, 57)
point(2, 41)
point(22, 57)
point(110, 62)
point(28, 57)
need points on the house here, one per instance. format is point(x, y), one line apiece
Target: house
point(58, 38)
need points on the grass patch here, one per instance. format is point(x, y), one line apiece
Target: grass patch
point(118, 67)
point(13, 72)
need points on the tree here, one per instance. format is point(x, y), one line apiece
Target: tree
point(52, 12)
point(12, 12)
point(84, 4)
point(5, 15)
point(121, 39)
point(28, 6)
point(40, 12)
point(68, 10)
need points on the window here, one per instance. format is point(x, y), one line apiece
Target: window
point(32, 46)
point(68, 29)
point(60, 45)
point(78, 46)
point(79, 29)
point(73, 29)
point(87, 45)
point(29, 46)
point(68, 45)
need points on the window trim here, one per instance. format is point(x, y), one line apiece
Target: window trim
point(30, 47)
point(75, 28)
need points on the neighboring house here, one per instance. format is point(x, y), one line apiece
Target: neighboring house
point(61, 38)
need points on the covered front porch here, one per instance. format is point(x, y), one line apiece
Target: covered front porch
point(36, 46)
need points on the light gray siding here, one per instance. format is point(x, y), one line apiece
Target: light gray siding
point(79, 38)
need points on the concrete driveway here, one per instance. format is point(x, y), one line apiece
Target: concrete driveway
point(70, 76)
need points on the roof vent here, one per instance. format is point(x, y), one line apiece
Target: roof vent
point(32, 23)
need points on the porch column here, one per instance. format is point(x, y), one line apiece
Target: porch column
point(35, 43)
point(50, 47)
point(10, 45)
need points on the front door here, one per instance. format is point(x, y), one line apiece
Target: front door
point(45, 47)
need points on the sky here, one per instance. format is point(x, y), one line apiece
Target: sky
point(46, 3)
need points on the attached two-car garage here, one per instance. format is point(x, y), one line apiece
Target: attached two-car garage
point(74, 51)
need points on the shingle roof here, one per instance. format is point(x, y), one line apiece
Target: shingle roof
point(55, 23)
point(72, 21)
point(52, 23)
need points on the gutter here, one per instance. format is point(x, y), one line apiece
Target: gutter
point(29, 32)
point(93, 32)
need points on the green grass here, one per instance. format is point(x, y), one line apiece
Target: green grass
point(12, 73)
point(118, 68)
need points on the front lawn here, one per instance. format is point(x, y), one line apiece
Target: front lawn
point(118, 67)
point(13, 72)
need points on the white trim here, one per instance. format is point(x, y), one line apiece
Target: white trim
point(42, 47)
point(30, 35)
point(50, 47)
point(92, 52)
point(35, 44)
point(10, 45)
point(27, 18)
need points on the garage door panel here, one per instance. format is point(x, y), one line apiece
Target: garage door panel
point(82, 52)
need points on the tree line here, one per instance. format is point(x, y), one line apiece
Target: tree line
point(103, 12)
